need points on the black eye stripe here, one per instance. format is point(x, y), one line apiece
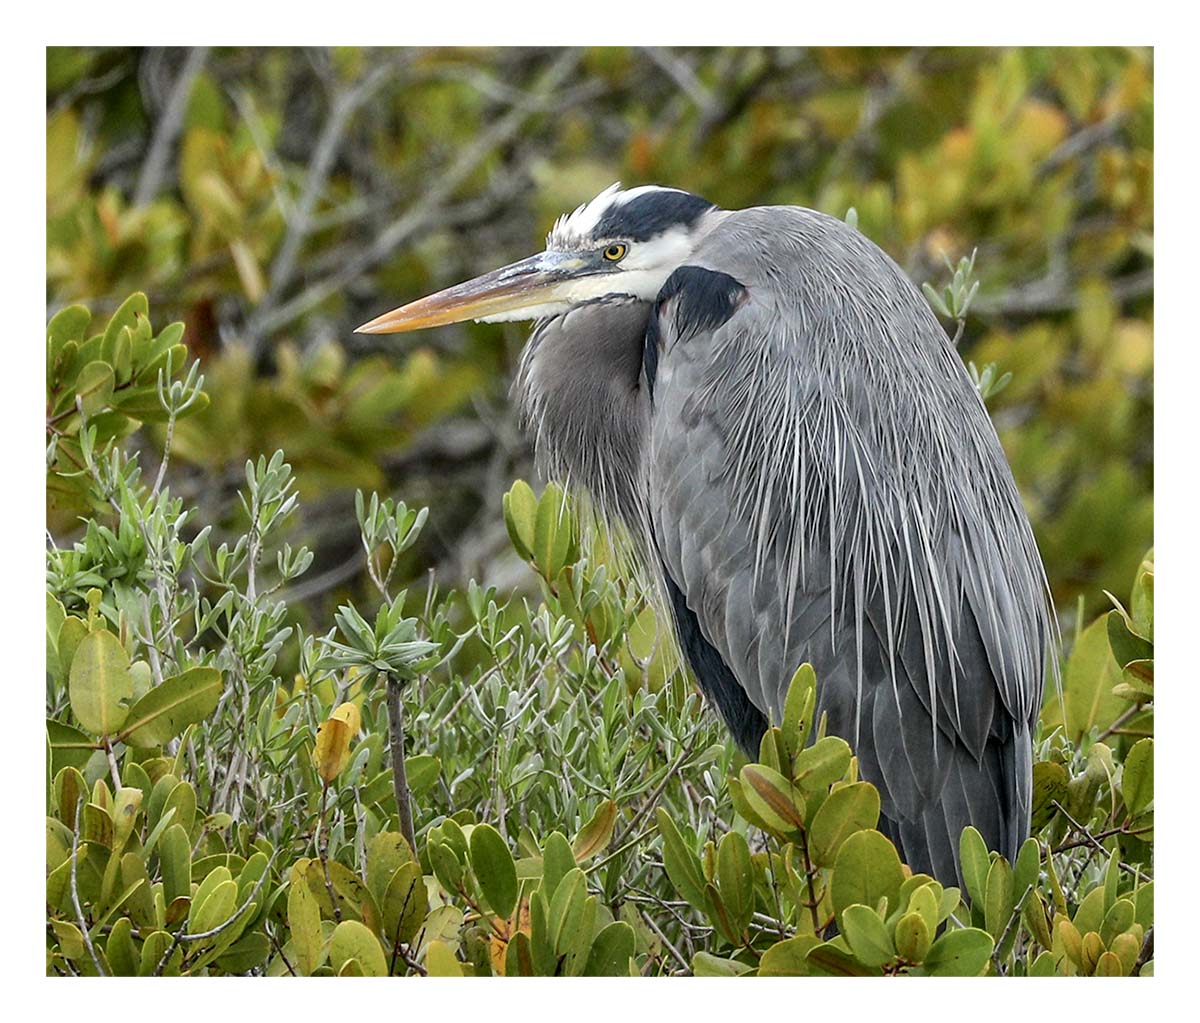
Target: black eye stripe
point(651, 213)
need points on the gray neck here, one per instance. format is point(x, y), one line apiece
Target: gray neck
point(582, 402)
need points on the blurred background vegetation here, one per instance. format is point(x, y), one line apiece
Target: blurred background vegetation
point(274, 199)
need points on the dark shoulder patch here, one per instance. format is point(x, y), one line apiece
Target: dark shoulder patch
point(703, 299)
point(650, 345)
point(716, 681)
point(651, 213)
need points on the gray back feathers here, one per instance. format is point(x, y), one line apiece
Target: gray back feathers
point(816, 475)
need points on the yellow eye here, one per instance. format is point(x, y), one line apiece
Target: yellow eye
point(615, 252)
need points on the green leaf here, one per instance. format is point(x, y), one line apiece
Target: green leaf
point(596, 833)
point(242, 956)
point(913, 936)
point(706, 965)
point(70, 635)
point(557, 860)
point(773, 798)
point(127, 804)
point(1088, 685)
point(1125, 643)
point(1137, 780)
point(94, 386)
point(404, 904)
point(821, 764)
point(422, 771)
point(55, 616)
point(168, 709)
point(552, 533)
point(830, 959)
point(566, 908)
point(998, 898)
point(1026, 867)
point(798, 707)
point(735, 879)
point(848, 809)
point(611, 951)
point(1117, 920)
point(126, 316)
point(683, 865)
point(69, 747)
point(304, 925)
point(440, 961)
point(68, 324)
point(1050, 780)
point(350, 893)
point(100, 684)
point(1090, 911)
point(1141, 605)
point(1043, 966)
point(494, 869)
point(520, 518)
point(354, 940)
point(175, 857)
point(387, 852)
point(217, 907)
point(788, 958)
point(119, 950)
point(447, 867)
point(866, 870)
point(975, 863)
point(868, 937)
point(961, 953)
point(70, 939)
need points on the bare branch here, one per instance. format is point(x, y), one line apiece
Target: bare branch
point(344, 107)
point(79, 917)
point(427, 206)
point(681, 73)
point(167, 130)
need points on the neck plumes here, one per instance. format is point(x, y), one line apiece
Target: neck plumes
point(582, 402)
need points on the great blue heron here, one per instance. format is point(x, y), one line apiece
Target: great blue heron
point(767, 401)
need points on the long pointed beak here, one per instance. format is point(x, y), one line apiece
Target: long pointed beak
point(531, 282)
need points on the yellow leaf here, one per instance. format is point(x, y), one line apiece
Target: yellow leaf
point(332, 749)
point(349, 713)
point(440, 961)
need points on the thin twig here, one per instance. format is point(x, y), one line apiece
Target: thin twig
point(181, 937)
point(79, 917)
point(681, 73)
point(112, 763)
point(166, 455)
point(322, 839)
point(665, 940)
point(395, 709)
point(168, 128)
point(1089, 840)
point(1115, 726)
point(1012, 922)
point(425, 207)
point(344, 107)
point(1094, 843)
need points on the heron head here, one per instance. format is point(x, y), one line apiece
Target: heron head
point(622, 244)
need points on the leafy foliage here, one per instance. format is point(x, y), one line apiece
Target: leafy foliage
point(575, 812)
point(309, 190)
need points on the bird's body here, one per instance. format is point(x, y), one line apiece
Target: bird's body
point(774, 414)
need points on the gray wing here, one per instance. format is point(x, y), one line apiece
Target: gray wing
point(825, 486)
